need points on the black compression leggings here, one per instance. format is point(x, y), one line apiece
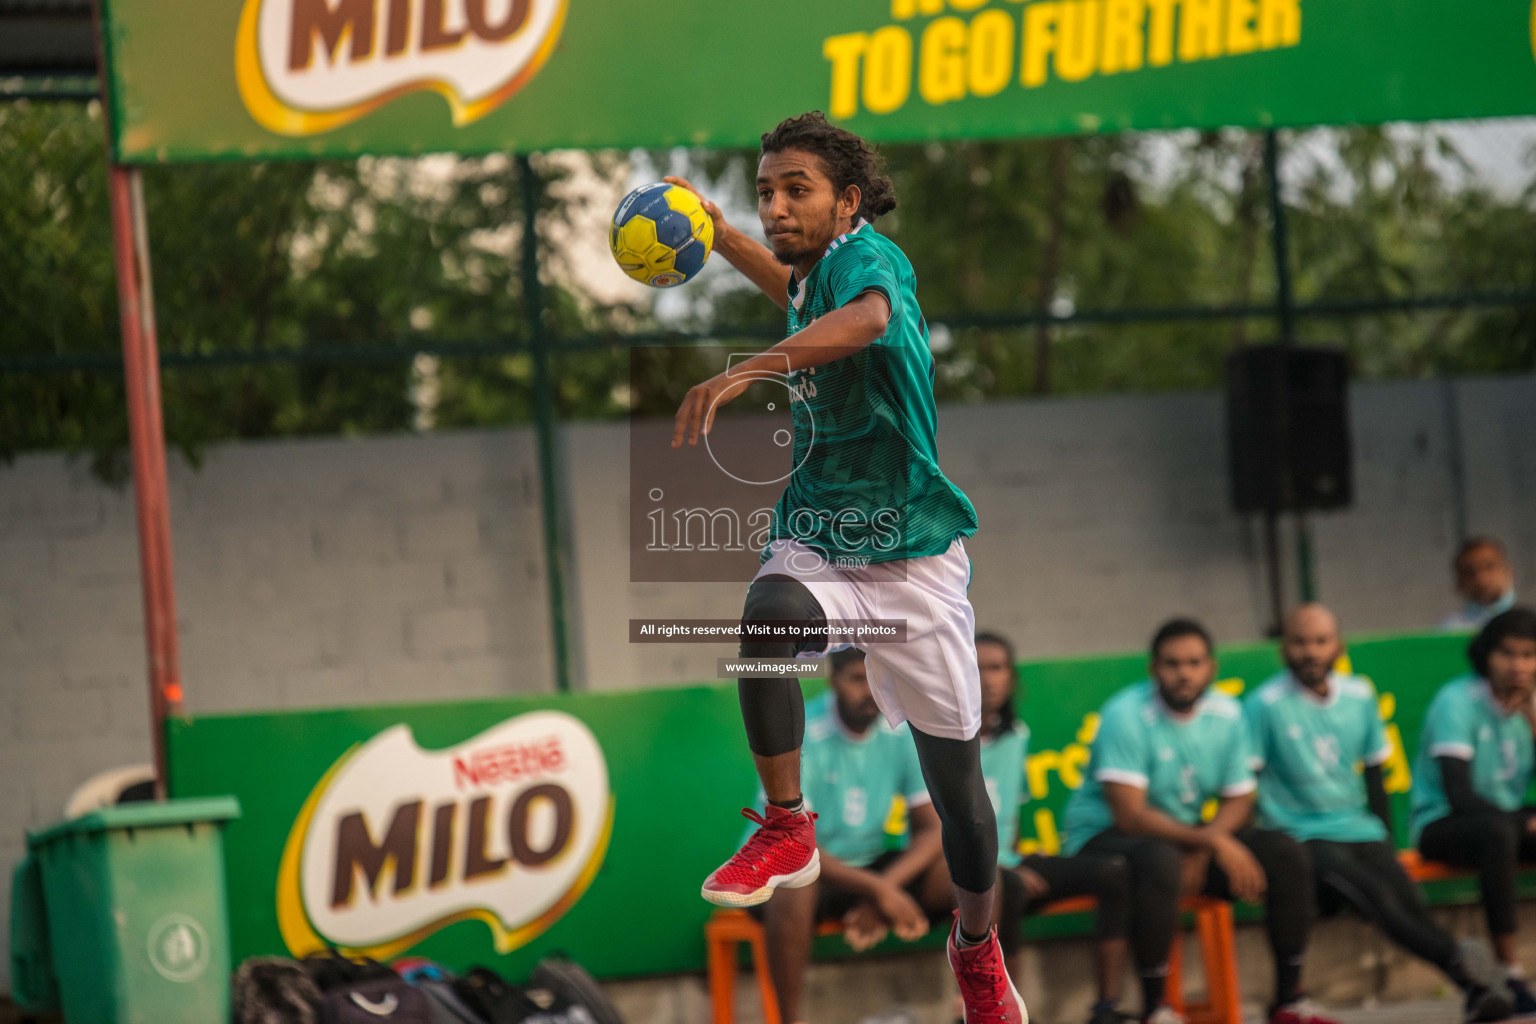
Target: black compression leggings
point(771, 706)
point(1493, 844)
point(1369, 878)
point(1156, 868)
point(774, 714)
point(952, 770)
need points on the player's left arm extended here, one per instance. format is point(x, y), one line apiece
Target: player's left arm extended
point(846, 330)
point(923, 852)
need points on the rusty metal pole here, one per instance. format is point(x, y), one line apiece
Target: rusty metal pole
point(141, 375)
point(146, 429)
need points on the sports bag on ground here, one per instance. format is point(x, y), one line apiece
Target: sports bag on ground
point(274, 990)
point(364, 991)
point(571, 982)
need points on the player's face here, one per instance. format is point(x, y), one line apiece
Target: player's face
point(855, 704)
point(1482, 575)
point(1312, 647)
point(799, 207)
point(1183, 669)
point(1512, 668)
point(996, 676)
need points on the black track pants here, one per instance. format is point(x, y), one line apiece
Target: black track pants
point(1107, 879)
point(1156, 868)
point(1368, 877)
point(1494, 845)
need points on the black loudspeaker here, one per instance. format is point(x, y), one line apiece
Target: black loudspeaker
point(1288, 429)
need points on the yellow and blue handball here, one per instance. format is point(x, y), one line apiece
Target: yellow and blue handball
point(661, 235)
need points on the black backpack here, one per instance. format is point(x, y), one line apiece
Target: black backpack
point(364, 991)
point(447, 1006)
point(436, 981)
point(377, 1000)
point(559, 992)
point(571, 982)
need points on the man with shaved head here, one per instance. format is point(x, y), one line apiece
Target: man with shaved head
point(1311, 730)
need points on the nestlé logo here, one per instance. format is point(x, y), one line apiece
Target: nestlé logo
point(397, 842)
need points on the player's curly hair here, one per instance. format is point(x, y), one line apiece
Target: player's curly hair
point(850, 160)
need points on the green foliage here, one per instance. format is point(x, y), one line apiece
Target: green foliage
point(285, 273)
point(253, 263)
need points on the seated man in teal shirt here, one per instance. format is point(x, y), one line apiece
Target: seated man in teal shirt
point(1031, 883)
point(1473, 770)
point(1309, 728)
point(853, 767)
point(1485, 582)
point(1165, 748)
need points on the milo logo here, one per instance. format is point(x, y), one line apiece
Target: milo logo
point(397, 842)
point(309, 66)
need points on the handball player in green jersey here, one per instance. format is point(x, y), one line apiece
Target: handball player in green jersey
point(867, 527)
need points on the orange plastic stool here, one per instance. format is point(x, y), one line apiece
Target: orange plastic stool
point(1218, 951)
point(722, 933)
point(1213, 923)
point(1421, 870)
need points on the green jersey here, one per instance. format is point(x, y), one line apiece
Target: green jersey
point(851, 781)
point(1307, 750)
point(1181, 761)
point(1466, 722)
point(866, 486)
point(1002, 768)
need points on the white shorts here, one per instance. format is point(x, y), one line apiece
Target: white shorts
point(931, 680)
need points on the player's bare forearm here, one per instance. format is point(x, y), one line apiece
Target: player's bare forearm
point(840, 333)
point(1231, 814)
point(756, 263)
point(1132, 815)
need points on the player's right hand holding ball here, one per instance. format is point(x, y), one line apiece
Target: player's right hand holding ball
point(722, 228)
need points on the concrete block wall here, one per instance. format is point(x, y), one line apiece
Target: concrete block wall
point(1101, 516)
point(326, 572)
point(309, 573)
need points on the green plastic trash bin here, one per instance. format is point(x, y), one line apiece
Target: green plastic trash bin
point(135, 904)
point(32, 982)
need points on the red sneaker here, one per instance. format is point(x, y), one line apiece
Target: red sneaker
point(1303, 1011)
point(781, 852)
point(989, 996)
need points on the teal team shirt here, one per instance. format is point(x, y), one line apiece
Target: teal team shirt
point(867, 486)
point(1181, 761)
point(1002, 767)
point(1307, 750)
point(851, 781)
point(1464, 721)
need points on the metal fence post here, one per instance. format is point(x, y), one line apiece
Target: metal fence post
point(1285, 314)
point(544, 409)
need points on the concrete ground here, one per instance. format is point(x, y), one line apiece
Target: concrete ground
point(1437, 1011)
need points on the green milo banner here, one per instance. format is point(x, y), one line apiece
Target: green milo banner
point(495, 832)
point(253, 79)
